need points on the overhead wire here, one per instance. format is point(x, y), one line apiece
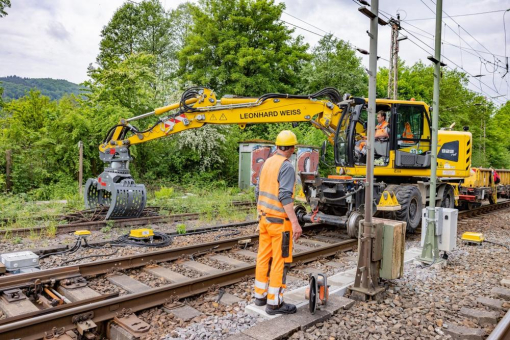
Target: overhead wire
point(461, 15)
point(318, 34)
point(432, 50)
point(485, 61)
point(290, 15)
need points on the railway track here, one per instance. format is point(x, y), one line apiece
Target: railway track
point(96, 224)
point(484, 209)
point(98, 308)
point(27, 321)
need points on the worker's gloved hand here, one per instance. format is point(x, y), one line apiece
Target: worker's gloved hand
point(296, 230)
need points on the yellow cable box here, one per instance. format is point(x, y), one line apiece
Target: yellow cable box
point(473, 237)
point(141, 233)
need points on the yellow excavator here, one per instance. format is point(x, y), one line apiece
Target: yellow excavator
point(402, 161)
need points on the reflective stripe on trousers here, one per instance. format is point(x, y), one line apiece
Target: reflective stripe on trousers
point(275, 295)
point(261, 289)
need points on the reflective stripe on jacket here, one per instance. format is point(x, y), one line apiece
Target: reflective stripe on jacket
point(407, 131)
point(269, 188)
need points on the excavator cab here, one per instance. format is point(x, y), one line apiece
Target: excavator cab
point(408, 144)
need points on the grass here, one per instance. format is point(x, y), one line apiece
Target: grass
point(214, 203)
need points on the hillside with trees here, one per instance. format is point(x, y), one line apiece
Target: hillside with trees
point(16, 87)
point(148, 56)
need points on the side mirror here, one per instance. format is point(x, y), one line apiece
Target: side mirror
point(323, 151)
point(323, 154)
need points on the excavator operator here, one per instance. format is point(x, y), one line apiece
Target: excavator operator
point(278, 226)
point(381, 132)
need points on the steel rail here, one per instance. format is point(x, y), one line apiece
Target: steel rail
point(502, 330)
point(35, 328)
point(97, 225)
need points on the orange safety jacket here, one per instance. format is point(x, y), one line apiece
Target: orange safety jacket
point(269, 188)
point(380, 129)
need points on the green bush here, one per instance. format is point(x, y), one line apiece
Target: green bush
point(164, 192)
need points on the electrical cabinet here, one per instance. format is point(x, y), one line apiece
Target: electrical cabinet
point(446, 228)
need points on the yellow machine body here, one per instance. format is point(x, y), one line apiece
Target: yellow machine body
point(472, 237)
point(454, 148)
point(141, 233)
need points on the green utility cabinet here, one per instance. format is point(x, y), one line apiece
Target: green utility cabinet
point(393, 248)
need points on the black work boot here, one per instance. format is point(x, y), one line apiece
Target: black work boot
point(260, 302)
point(284, 308)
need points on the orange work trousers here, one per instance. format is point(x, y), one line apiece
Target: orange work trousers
point(273, 259)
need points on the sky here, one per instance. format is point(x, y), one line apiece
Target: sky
point(60, 38)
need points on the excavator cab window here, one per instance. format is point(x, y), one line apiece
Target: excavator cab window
point(412, 139)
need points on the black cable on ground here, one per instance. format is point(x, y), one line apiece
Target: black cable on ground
point(498, 244)
point(76, 246)
point(162, 240)
point(86, 257)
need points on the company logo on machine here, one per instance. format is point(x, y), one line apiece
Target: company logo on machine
point(449, 151)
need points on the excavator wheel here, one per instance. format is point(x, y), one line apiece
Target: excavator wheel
point(409, 198)
point(448, 200)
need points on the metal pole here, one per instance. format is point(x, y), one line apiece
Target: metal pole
point(430, 252)
point(393, 71)
point(372, 73)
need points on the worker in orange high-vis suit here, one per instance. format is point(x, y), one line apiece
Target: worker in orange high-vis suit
point(278, 226)
point(381, 132)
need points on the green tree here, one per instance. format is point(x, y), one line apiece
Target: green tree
point(139, 29)
point(241, 47)
point(3, 5)
point(126, 83)
point(334, 64)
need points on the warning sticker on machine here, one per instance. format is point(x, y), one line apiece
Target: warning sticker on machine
point(449, 172)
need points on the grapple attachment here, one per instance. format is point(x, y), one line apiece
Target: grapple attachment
point(116, 188)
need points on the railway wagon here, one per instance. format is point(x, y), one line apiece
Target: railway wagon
point(479, 186)
point(504, 185)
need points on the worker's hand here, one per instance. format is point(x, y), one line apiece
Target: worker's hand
point(296, 230)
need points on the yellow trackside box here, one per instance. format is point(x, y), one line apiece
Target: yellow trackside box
point(472, 237)
point(141, 233)
point(82, 233)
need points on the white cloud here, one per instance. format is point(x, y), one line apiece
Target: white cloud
point(59, 38)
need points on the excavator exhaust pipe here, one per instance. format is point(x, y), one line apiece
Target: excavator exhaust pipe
point(116, 188)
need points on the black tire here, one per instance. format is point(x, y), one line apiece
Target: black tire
point(448, 200)
point(409, 197)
